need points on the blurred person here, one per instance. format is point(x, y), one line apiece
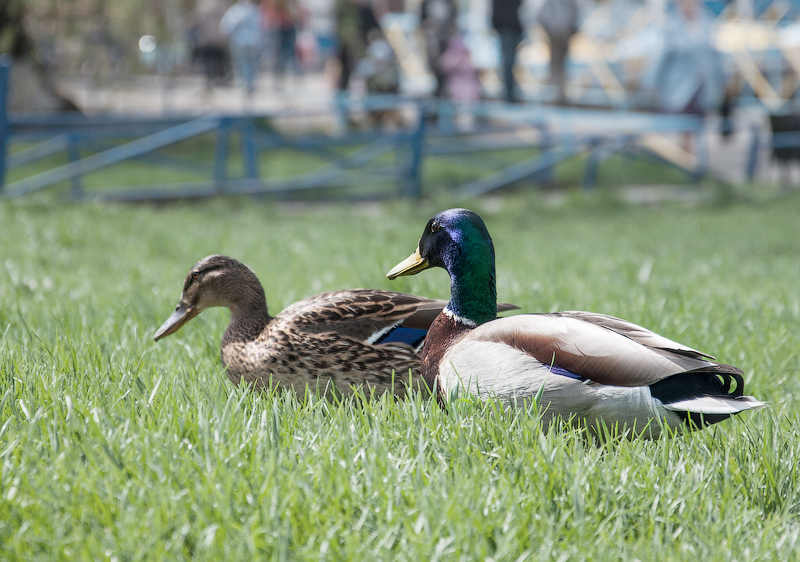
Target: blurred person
point(308, 46)
point(438, 22)
point(240, 24)
point(381, 75)
point(268, 37)
point(785, 156)
point(379, 65)
point(209, 44)
point(559, 19)
point(283, 18)
point(462, 83)
point(354, 20)
point(505, 20)
point(689, 77)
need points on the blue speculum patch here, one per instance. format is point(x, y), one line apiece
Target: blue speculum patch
point(411, 336)
point(564, 373)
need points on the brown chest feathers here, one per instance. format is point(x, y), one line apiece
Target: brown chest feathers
point(443, 333)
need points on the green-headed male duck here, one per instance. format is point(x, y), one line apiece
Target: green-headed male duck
point(590, 367)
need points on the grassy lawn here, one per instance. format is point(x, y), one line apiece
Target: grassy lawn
point(114, 447)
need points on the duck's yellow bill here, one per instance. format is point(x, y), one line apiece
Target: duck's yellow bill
point(409, 266)
point(177, 319)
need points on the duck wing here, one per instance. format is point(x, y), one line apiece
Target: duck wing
point(361, 314)
point(634, 332)
point(594, 347)
point(369, 316)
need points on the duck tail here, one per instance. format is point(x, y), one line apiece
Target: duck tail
point(705, 396)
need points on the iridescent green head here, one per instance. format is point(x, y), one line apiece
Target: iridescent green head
point(457, 240)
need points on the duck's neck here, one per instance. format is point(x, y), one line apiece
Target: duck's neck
point(248, 320)
point(473, 293)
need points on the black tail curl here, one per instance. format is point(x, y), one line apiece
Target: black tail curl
point(720, 380)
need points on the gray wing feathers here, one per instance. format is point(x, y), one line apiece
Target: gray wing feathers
point(586, 349)
point(633, 331)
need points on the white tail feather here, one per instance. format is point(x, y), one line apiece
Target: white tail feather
point(716, 405)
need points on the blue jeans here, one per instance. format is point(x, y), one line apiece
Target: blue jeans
point(245, 64)
point(287, 38)
point(509, 41)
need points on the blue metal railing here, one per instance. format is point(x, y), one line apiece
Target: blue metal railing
point(142, 137)
point(5, 132)
point(354, 159)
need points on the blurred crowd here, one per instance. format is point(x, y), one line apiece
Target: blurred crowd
point(237, 41)
point(457, 50)
point(244, 37)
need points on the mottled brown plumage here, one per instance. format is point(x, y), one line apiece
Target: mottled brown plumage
point(340, 338)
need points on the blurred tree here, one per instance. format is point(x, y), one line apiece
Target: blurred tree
point(31, 88)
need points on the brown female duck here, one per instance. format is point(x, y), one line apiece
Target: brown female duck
point(340, 338)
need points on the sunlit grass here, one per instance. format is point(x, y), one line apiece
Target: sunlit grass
point(114, 447)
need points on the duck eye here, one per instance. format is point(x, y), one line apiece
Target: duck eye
point(435, 226)
point(195, 275)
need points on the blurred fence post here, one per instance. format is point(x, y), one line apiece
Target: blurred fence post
point(249, 150)
point(74, 155)
point(752, 155)
point(417, 140)
point(547, 174)
point(597, 154)
point(221, 154)
point(5, 129)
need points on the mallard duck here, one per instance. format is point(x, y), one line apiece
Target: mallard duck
point(341, 337)
point(590, 367)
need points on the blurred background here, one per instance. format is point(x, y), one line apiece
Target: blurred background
point(708, 87)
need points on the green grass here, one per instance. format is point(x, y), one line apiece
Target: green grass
point(114, 447)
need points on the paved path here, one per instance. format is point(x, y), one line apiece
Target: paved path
point(188, 93)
